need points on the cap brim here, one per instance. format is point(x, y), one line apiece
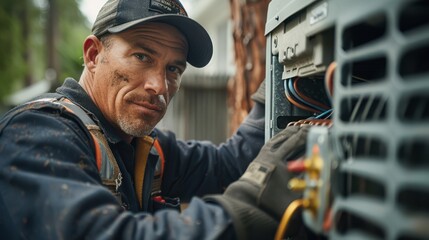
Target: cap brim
point(200, 45)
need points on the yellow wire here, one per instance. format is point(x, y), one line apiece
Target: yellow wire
point(287, 215)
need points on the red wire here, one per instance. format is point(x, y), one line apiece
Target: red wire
point(327, 221)
point(296, 165)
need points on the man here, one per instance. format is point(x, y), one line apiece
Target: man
point(82, 162)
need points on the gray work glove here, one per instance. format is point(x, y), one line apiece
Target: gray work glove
point(257, 201)
point(259, 95)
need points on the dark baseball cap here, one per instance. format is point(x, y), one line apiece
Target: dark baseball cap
point(119, 15)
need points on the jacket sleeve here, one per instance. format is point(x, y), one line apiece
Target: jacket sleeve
point(50, 189)
point(196, 168)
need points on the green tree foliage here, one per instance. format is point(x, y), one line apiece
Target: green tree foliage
point(24, 47)
point(11, 61)
point(73, 31)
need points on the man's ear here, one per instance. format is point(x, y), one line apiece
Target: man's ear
point(91, 49)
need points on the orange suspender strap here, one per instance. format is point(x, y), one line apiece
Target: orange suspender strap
point(98, 157)
point(105, 161)
point(142, 152)
point(158, 148)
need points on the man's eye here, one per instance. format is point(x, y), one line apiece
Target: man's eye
point(141, 57)
point(175, 69)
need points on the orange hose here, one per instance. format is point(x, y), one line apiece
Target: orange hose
point(287, 215)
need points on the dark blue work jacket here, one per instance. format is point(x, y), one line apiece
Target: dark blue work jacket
point(50, 186)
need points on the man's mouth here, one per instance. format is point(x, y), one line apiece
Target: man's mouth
point(148, 108)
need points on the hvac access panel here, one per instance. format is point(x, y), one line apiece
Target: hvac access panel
point(300, 40)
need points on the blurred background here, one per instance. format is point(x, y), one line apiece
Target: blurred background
point(41, 45)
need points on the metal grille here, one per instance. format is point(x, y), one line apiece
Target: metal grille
point(381, 125)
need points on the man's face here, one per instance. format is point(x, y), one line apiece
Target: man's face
point(136, 75)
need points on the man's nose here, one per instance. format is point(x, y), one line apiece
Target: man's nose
point(156, 82)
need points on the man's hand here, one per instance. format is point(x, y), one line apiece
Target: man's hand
point(257, 201)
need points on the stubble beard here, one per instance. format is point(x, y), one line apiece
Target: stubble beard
point(134, 129)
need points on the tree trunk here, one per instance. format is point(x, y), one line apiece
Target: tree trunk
point(248, 17)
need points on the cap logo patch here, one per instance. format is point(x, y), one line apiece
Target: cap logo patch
point(166, 6)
